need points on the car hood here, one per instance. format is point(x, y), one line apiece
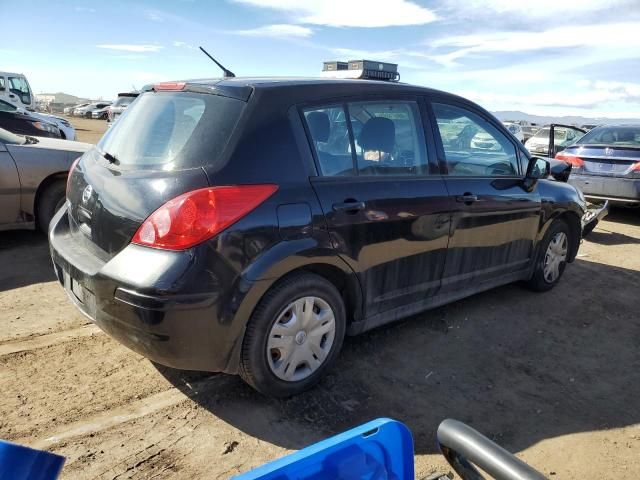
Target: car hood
point(59, 144)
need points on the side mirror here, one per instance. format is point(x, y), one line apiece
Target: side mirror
point(538, 168)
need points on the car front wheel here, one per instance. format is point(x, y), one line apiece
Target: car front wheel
point(294, 336)
point(552, 257)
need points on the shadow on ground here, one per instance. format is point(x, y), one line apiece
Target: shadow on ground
point(519, 366)
point(24, 259)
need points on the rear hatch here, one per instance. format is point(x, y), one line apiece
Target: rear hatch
point(151, 155)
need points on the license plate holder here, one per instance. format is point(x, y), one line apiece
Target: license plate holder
point(74, 287)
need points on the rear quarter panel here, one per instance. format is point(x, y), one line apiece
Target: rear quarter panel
point(35, 165)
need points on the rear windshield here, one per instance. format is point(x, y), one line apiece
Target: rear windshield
point(613, 136)
point(123, 101)
point(172, 130)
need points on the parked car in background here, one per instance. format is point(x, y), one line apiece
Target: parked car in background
point(69, 110)
point(15, 89)
point(26, 123)
point(267, 232)
point(606, 164)
point(484, 141)
point(563, 136)
point(588, 126)
point(87, 110)
point(67, 131)
point(120, 105)
point(101, 113)
point(33, 175)
point(515, 129)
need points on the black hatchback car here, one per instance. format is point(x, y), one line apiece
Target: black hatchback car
point(247, 225)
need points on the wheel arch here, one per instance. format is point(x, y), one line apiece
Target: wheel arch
point(575, 228)
point(44, 184)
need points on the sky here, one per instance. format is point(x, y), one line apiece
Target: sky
point(548, 57)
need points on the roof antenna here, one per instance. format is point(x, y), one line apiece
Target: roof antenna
point(227, 73)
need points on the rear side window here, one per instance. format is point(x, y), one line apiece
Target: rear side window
point(472, 145)
point(368, 138)
point(172, 130)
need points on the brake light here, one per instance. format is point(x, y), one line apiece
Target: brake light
point(196, 216)
point(571, 159)
point(169, 86)
point(73, 166)
point(636, 167)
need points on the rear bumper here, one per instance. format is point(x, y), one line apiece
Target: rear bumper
point(155, 302)
point(614, 189)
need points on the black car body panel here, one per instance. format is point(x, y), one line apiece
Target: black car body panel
point(409, 245)
point(22, 124)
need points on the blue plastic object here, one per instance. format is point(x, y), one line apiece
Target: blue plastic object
point(24, 463)
point(378, 450)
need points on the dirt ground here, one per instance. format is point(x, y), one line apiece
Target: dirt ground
point(87, 129)
point(554, 377)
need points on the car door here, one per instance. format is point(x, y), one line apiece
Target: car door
point(494, 220)
point(9, 189)
point(386, 212)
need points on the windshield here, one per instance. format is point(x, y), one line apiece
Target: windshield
point(19, 86)
point(613, 136)
point(558, 134)
point(12, 138)
point(172, 130)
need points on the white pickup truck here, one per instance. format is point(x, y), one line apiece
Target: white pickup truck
point(15, 89)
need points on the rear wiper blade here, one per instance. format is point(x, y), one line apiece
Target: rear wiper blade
point(110, 158)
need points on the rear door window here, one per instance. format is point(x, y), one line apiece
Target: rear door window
point(172, 130)
point(368, 138)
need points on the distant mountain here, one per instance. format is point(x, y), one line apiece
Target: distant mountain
point(568, 120)
point(61, 97)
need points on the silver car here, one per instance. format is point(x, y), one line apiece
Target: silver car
point(606, 164)
point(33, 176)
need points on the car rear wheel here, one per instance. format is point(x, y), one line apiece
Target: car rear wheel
point(552, 257)
point(294, 336)
point(49, 202)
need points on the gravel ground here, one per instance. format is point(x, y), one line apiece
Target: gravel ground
point(554, 377)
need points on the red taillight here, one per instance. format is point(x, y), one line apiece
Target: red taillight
point(573, 160)
point(73, 166)
point(195, 216)
point(169, 86)
point(636, 167)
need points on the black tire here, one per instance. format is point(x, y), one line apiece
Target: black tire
point(538, 282)
point(254, 366)
point(49, 201)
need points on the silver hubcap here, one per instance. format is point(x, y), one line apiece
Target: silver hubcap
point(301, 338)
point(556, 256)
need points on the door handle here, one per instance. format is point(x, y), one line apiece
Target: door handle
point(467, 198)
point(350, 206)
